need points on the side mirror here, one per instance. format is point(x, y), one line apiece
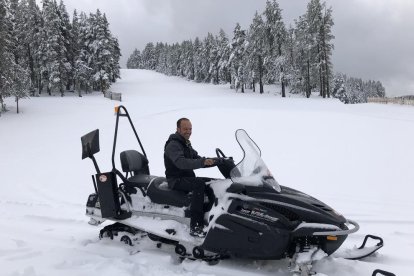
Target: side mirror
point(90, 144)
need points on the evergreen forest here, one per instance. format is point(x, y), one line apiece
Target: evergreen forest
point(43, 50)
point(297, 58)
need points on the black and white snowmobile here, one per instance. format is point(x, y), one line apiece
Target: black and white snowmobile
point(247, 214)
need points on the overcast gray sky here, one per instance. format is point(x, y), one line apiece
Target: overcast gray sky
point(374, 38)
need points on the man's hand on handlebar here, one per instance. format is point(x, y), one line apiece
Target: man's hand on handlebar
point(209, 162)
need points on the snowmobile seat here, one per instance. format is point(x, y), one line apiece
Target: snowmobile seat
point(134, 162)
point(159, 192)
point(140, 181)
point(135, 165)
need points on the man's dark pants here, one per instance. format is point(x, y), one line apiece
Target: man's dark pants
point(197, 186)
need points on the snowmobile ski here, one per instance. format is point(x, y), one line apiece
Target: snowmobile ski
point(363, 251)
point(382, 272)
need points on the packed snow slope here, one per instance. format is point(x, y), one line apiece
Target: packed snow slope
point(357, 158)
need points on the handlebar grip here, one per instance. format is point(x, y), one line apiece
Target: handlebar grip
point(220, 153)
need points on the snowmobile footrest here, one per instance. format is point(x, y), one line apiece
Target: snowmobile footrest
point(382, 272)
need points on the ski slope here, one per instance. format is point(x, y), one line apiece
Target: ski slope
point(356, 158)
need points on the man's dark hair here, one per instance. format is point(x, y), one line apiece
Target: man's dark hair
point(179, 121)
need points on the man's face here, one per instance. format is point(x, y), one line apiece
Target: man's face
point(185, 129)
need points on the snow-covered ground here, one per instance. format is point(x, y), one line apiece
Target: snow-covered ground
point(356, 158)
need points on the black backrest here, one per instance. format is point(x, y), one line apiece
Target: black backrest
point(134, 161)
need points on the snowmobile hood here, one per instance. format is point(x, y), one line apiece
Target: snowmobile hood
point(294, 205)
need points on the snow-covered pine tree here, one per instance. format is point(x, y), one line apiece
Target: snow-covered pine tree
point(197, 59)
point(101, 51)
point(14, 79)
point(316, 37)
point(135, 60)
point(325, 48)
point(187, 59)
point(161, 53)
point(213, 58)
point(236, 58)
point(56, 63)
point(75, 49)
point(224, 54)
point(20, 83)
point(174, 59)
point(275, 33)
point(148, 56)
point(256, 50)
point(66, 31)
point(97, 56)
point(379, 88)
point(303, 56)
point(313, 17)
point(4, 54)
point(206, 46)
point(338, 89)
point(355, 90)
point(28, 29)
point(209, 51)
point(82, 54)
point(115, 72)
point(18, 76)
point(291, 70)
point(13, 21)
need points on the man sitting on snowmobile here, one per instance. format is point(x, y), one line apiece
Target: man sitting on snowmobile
point(180, 161)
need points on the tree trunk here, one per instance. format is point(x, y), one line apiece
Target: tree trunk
point(62, 90)
point(328, 93)
point(217, 75)
point(308, 89)
point(321, 92)
point(31, 68)
point(17, 104)
point(283, 83)
point(327, 81)
point(40, 84)
point(261, 75)
point(1, 104)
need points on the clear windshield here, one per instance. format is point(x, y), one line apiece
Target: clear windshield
point(252, 171)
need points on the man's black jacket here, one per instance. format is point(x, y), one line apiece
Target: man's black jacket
point(180, 159)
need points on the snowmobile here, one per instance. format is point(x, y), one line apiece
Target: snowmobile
point(248, 214)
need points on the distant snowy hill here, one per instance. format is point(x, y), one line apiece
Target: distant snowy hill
point(356, 158)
